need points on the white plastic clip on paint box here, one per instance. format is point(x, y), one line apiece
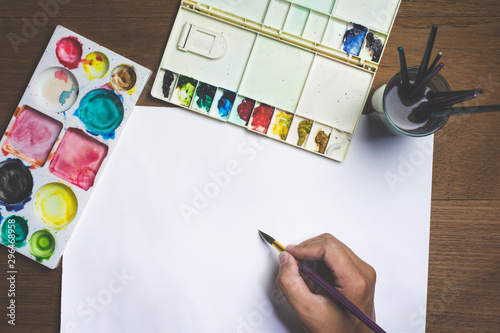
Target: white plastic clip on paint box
point(202, 41)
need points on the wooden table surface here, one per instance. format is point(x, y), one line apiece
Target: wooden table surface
point(464, 268)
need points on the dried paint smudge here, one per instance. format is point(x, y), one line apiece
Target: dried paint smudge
point(65, 95)
point(17, 227)
point(168, 78)
point(78, 158)
point(186, 87)
point(321, 140)
point(32, 136)
point(205, 93)
point(282, 126)
point(55, 204)
point(245, 109)
point(374, 46)
point(42, 245)
point(225, 103)
point(303, 130)
point(353, 38)
point(123, 77)
point(16, 184)
point(61, 75)
point(261, 118)
point(101, 110)
point(69, 52)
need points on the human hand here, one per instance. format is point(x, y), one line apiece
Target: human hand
point(354, 278)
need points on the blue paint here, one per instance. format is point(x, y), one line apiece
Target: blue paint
point(354, 38)
point(225, 103)
point(101, 111)
point(65, 95)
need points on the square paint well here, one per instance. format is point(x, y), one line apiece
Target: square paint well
point(299, 131)
point(184, 91)
point(273, 66)
point(261, 118)
point(338, 144)
point(276, 14)
point(354, 38)
point(316, 26)
point(296, 20)
point(78, 158)
point(242, 111)
point(204, 97)
point(334, 33)
point(376, 14)
point(337, 93)
point(223, 104)
point(372, 47)
point(32, 136)
point(318, 138)
point(165, 86)
point(280, 125)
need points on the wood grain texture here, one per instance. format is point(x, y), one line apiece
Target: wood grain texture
point(464, 267)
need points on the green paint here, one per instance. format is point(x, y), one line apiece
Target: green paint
point(18, 228)
point(303, 129)
point(42, 245)
point(186, 86)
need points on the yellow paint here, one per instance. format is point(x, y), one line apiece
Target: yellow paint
point(96, 65)
point(55, 205)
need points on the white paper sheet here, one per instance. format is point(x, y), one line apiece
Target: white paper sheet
point(136, 264)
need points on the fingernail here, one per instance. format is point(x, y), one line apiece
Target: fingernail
point(283, 258)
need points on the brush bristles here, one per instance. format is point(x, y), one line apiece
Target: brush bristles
point(266, 237)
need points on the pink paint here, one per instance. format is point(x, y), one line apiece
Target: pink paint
point(78, 158)
point(32, 136)
point(69, 52)
point(61, 76)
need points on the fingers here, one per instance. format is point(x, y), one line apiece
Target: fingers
point(329, 249)
point(292, 285)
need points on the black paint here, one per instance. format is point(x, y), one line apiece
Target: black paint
point(168, 78)
point(375, 45)
point(16, 182)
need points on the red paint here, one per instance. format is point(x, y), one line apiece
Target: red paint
point(61, 76)
point(69, 52)
point(261, 119)
point(98, 58)
point(245, 109)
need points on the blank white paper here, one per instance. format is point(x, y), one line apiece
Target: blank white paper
point(169, 241)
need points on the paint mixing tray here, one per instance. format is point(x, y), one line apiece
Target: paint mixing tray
point(299, 72)
point(59, 140)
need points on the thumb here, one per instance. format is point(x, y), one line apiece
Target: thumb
point(291, 283)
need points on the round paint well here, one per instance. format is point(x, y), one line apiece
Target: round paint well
point(101, 110)
point(42, 245)
point(69, 52)
point(96, 65)
point(123, 77)
point(19, 227)
point(55, 205)
point(55, 89)
point(16, 184)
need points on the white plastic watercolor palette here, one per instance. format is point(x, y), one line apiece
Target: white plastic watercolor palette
point(299, 72)
point(58, 141)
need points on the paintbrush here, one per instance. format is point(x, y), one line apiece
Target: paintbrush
point(435, 62)
point(332, 291)
point(404, 70)
point(422, 70)
point(465, 110)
